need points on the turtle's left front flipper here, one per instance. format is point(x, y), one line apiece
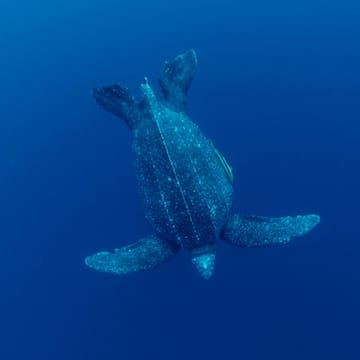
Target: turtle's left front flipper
point(145, 254)
point(249, 231)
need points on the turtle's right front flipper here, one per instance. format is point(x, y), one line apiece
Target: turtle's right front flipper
point(145, 254)
point(250, 231)
point(118, 100)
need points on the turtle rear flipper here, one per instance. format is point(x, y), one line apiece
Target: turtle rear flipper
point(145, 254)
point(249, 231)
point(117, 100)
point(176, 78)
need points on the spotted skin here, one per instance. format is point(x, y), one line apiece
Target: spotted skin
point(185, 182)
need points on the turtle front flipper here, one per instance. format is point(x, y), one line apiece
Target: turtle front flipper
point(145, 254)
point(249, 231)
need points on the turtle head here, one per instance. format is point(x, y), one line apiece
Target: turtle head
point(204, 260)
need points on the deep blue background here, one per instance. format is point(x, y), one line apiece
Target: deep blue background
point(277, 89)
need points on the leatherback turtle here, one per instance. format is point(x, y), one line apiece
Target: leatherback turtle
point(185, 181)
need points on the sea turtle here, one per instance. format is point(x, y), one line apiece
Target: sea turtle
point(185, 181)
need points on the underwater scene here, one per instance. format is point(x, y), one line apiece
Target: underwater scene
point(179, 180)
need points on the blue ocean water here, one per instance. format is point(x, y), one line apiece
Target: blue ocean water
point(277, 89)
